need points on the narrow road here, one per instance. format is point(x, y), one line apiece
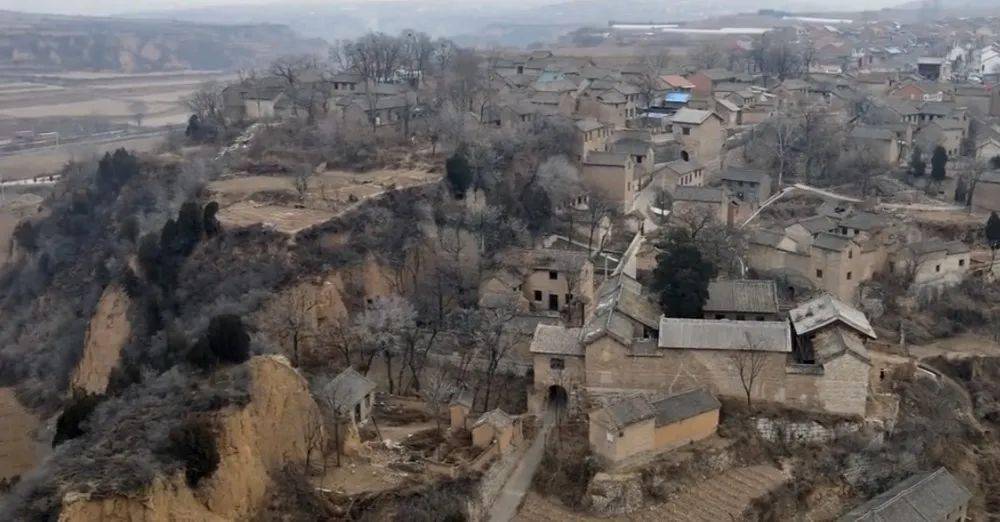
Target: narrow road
point(507, 504)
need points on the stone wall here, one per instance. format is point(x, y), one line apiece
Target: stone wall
point(807, 432)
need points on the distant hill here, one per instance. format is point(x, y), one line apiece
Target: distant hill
point(32, 42)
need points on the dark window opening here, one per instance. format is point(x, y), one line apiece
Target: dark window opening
point(819, 273)
point(538, 295)
point(553, 302)
point(937, 268)
point(849, 276)
point(556, 363)
point(553, 275)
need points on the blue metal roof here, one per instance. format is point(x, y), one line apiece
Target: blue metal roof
point(677, 97)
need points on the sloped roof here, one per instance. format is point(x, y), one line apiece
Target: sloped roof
point(677, 81)
point(830, 344)
point(610, 159)
point(864, 221)
point(544, 259)
point(922, 248)
point(824, 310)
point(707, 334)
point(349, 388)
point(556, 340)
point(496, 418)
point(744, 175)
point(699, 194)
point(684, 167)
point(588, 124)
point(872, 133)
point(742, 295)
point(626, 411)
point(923, 497)
point(834, 242)
point(692, 116)
point(669, 410)
point(816, 224)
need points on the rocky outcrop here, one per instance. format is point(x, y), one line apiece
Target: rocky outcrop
point(107, 334)
point(615, 494)
point(281, 424)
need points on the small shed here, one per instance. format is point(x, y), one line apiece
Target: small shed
point(458, 410)
point(496, 426)
point(353, 395)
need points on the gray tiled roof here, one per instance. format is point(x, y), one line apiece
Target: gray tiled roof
point(699, 194)
point(925, 497)
point(828, 241)
point(872, 133)
point(556, 340)
point(931, 246)
point(706, 334)
point(628, 411)
point(613, 159)
point(496, 418)
point(742, 295)
point(684, 167)
point(826, 309)
point(864, 221)
point(816, 224)
point(830, 344)
point(349, 388)
point(744, 175)
point(691, 116)
point(684, 406)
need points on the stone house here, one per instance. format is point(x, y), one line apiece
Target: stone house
point(640, 149)
point(643, 425)
point(609, 106)
point(751, 186)
point(988, 148)
point(549, 279)
point(946, 132)
point(926, 497)
point(705, 81)
point(353, 395)
point(742, 300)
point(880, 142)
point(591, 135)
point(986, 196)
point(712, 201)
point(497, 427)
point(730, 112)
point(613, 176)
point(458, 411)
point(700, 134)
point(935, 264)
point(680, 173)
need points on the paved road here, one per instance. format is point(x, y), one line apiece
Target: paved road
point(507, 504)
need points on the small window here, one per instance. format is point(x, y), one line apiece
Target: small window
point(741, 317)
point(553, 275)
point(556, 363)
point(538, 295)
point(937, 268)
point(720, 316)
point(760, 318)
point(819, 274)
point(850, 254)
point(569, 297)
point(686, 131)
point(849, 276)
point(961, 262)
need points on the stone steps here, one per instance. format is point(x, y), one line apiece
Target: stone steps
point(720, 498)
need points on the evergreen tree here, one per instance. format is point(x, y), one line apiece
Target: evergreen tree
point(939, 160)
point(681, 276)
point(459, 173)
point(918, 167)
point(993, 232)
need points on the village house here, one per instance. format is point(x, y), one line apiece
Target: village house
point(640, 425)
point(751, 186)
point(354, 396)
point(934, 68)
point(986, 196)
point(926, 497)
point(880, 142)
point(549, 280)
point(742, 300)
point(704, 82)
point(497, 427)
point(710, 201)
point(934, 264)
point(591, 135)
point(639, 146)
point(613, 176)
point(700, 134)
point(679, 173)
point(987, 148)
point(458, 411)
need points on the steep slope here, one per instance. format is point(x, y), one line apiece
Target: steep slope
point(20, 450)
point(279, 425)
point(107, 334)
point(49, 42)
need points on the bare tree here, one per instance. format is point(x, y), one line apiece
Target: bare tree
point(206, 102)
point(328, 398)
point(292, 68)
point(380, 330)
point(708, 55)
point(598, 208)
point(138, 109)
point(749, 363)
point(495, 336)
point(291, 318)
point(439, 387)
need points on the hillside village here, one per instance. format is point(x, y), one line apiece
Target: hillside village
point(752, 280)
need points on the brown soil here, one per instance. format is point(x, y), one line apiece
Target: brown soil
point(20, 450)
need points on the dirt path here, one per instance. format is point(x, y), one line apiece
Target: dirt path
point(507, 504)
point(720, 498)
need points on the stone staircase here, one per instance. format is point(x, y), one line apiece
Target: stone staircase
point(720, 498)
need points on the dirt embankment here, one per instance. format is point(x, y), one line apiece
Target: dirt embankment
point(279, 425)
point(107, 334)
point(20, 449)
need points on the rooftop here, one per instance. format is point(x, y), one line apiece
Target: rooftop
point(607, 159)
point(699, 194)
point(925, 497)
point(708, 334)
point(742, 295)
point(349, 388)
point(691, 116)
point(556, 340)
point(824, 310)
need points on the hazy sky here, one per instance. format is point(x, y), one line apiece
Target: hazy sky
point(104, 7)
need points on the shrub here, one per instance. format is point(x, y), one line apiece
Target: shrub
point(68, 426)
point(193, 443)
point(567, 465)
point(225, 342)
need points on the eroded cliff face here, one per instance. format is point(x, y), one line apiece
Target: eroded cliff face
point(20, 447)
point(280, 424)
point(107, 334)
